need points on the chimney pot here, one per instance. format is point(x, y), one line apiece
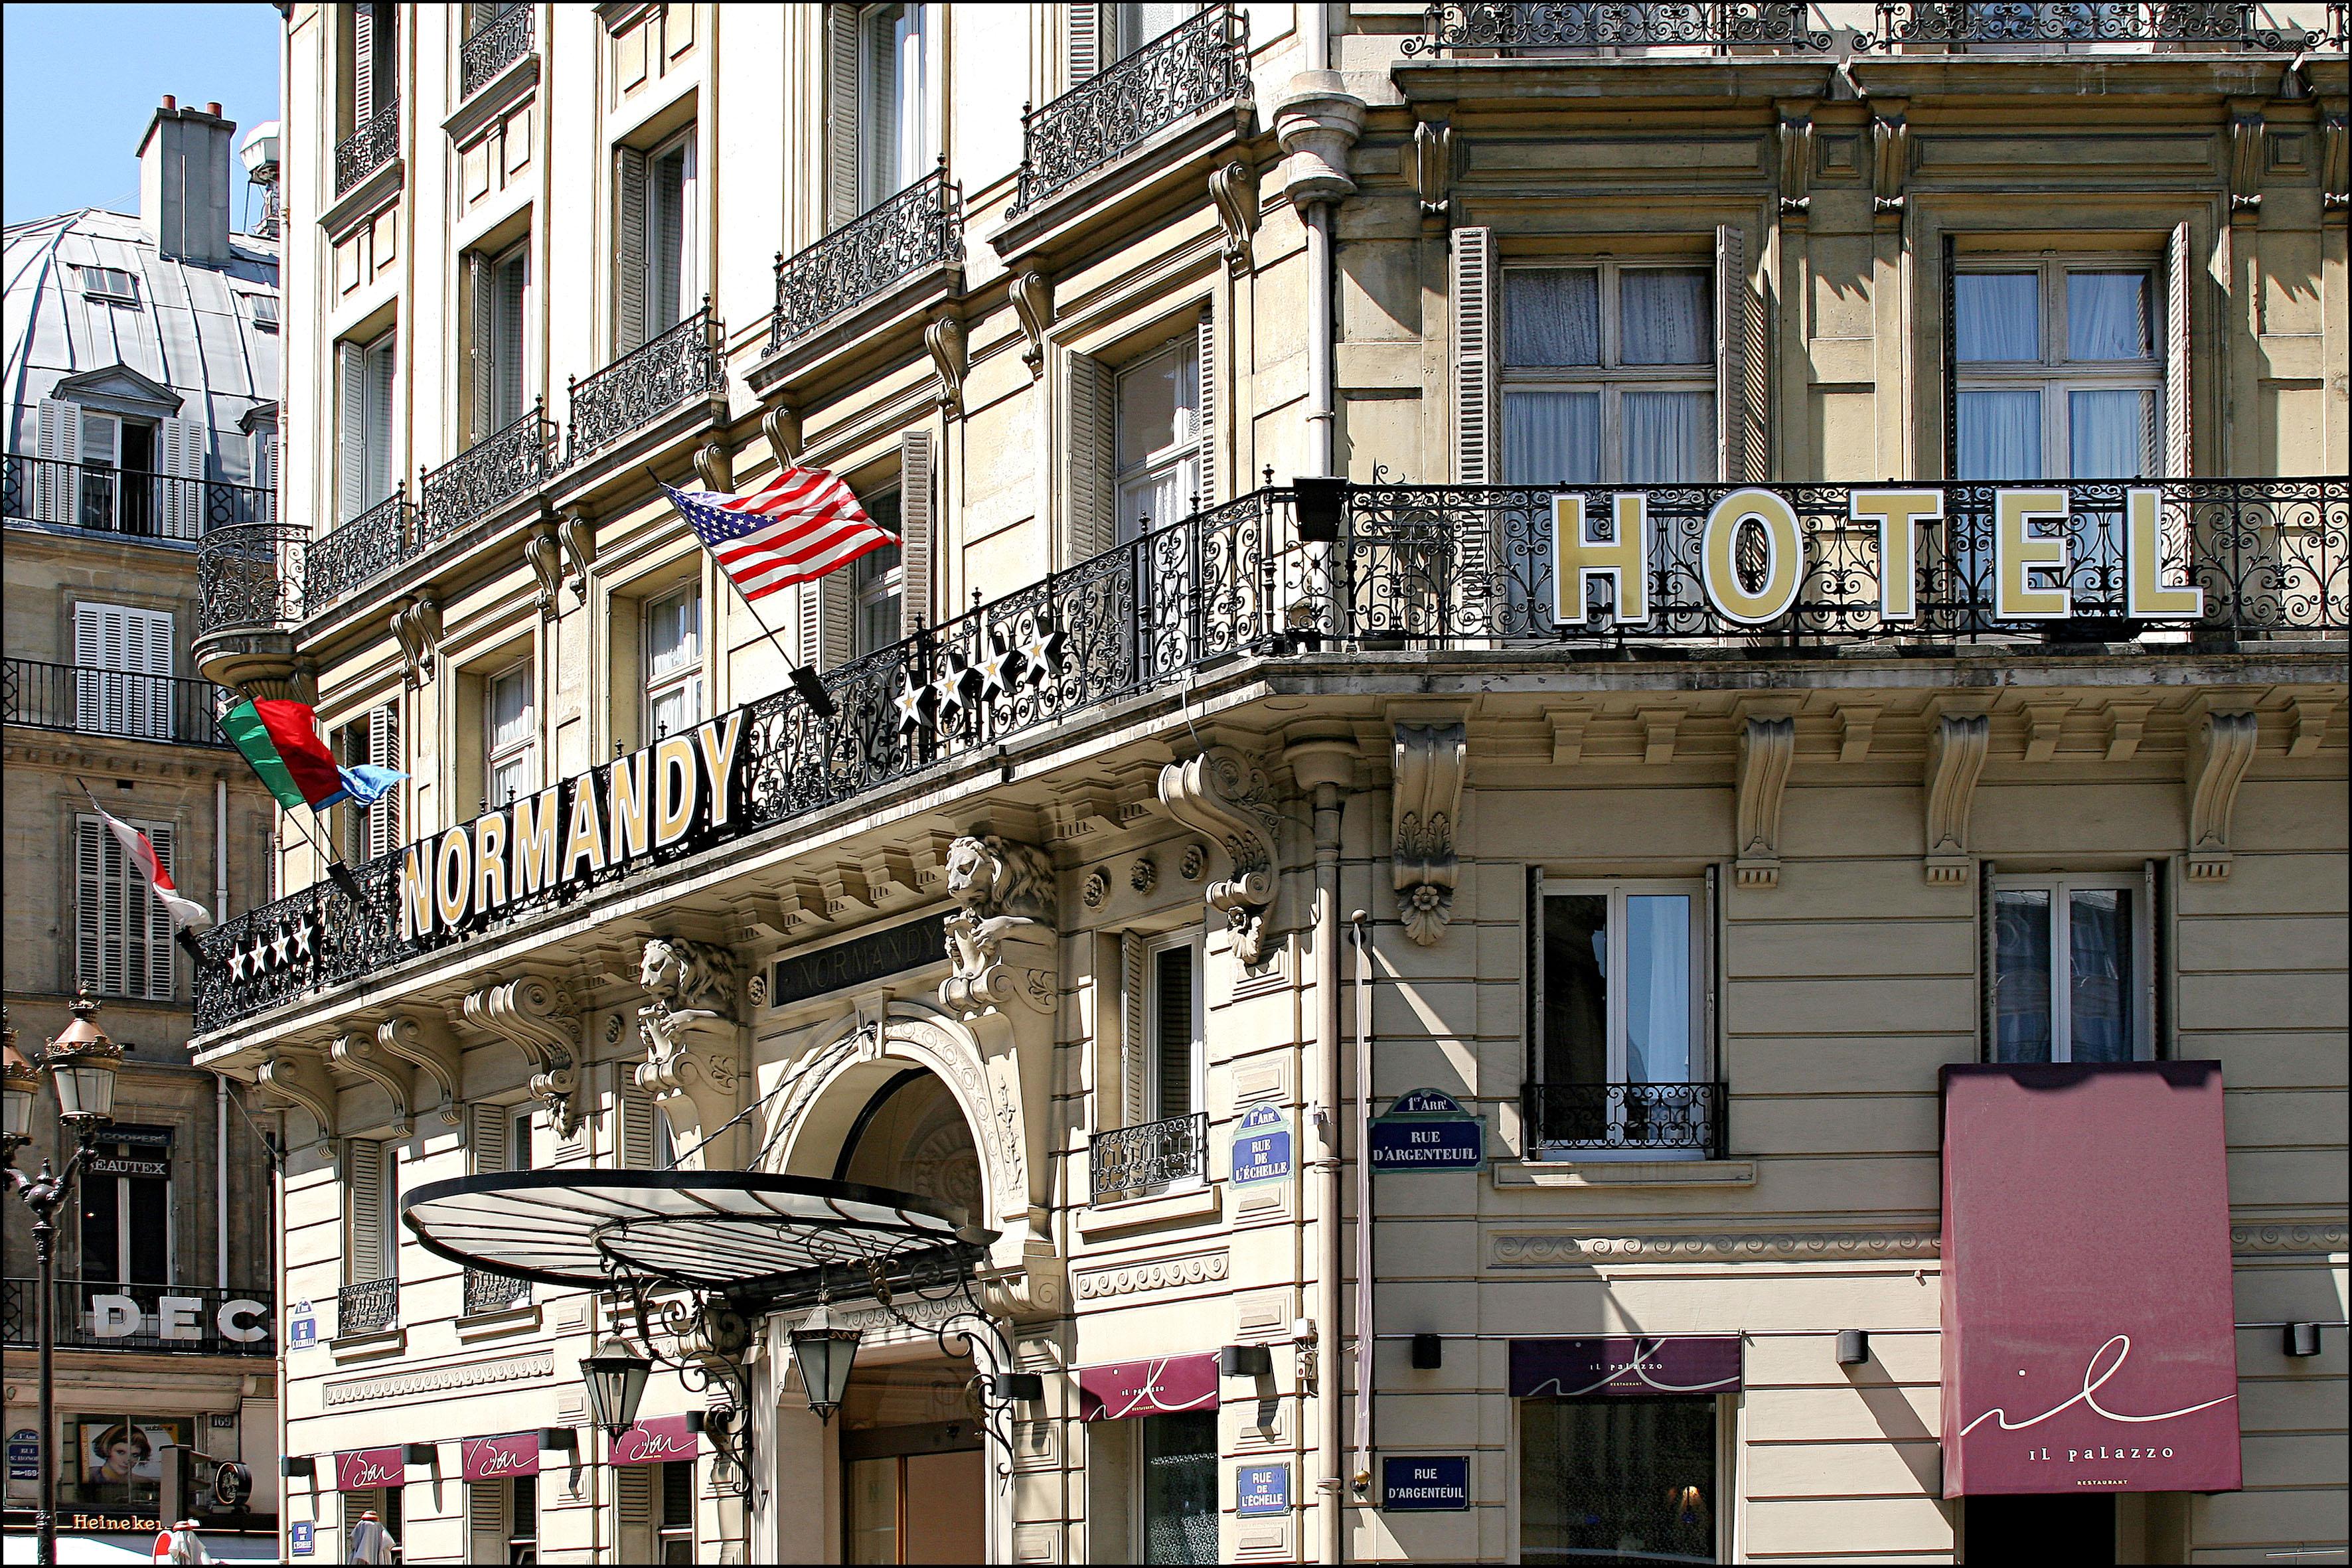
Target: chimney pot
point(171, 102)
point(213, 109)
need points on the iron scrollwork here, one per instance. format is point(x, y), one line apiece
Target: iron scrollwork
point(497, 44)
point(358, 550)
point(488, 475)
point(368, 148)
point(1200, 63)
point(684, 363)
point(920, 227)
point(1619, 24)
point(250, 576)
point(2215, 23)
point(1129, 1160)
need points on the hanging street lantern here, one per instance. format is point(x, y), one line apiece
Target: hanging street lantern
point(616, 1377)
point(824, 1353)
point(82, 1062)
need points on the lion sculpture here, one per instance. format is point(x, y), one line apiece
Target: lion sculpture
point(1004, 888)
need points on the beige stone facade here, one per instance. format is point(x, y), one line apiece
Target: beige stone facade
point(1298, 798)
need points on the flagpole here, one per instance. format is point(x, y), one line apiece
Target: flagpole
point(802, 677)
point(180, 932)
point(338, 872)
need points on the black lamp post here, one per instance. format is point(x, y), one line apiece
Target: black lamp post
point(82, 1063)
point(824, 1353)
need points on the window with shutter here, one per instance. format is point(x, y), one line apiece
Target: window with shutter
point(1135, 1032)
point(350, 430)
point(2180, 289)
point(1157, 448)
point(638, 1114)
point(362, 64)
point(878, 579)
point(485, 1521)
point(181, 447)
point(1471, 307)
point(1090, 527)
point(1175, 1066)
point(1609, 374)
point(364, 1263)
point(1205, 359)
point(669, 237)
point(840, 162)
point(915, 530)
point(489, 1138)
point(57, 445)
point(629, 249)
point(634, 1488)
point(124, 685)
point(383, 751)
point(893, 140)
point(1732, 428)
point(98, 909)
point(148, 973)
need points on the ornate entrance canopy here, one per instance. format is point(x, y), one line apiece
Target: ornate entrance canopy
point(739, 1233)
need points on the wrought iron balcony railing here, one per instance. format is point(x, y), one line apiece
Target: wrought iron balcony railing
point(250, 577)
point(689, 361)
point(86, 701)
point(503, 38)
point(356, 551)
point(1202, 62)
point(369, 147)
point(367, 1308)
point(1717, 25)
point(1443, 568)
point(126, 500)
point(920, 227)
point(2009, 24)
point(485, 476)
point(1130, 1161)
point(95, 1315)
point(1666, 1118)
point(487, 1290)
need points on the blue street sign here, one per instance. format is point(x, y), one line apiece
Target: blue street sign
point(1262, 1489)
point(1422, 1484)
point(1428, 1145)
point(1427, 1103)
point(1262, 1145)
point(24, 1454)
point(298, 1536)
point(301, 1327)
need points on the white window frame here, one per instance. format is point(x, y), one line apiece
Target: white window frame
point(683, 147)
point(263, 312)
point(1617, 890)
point(149, 1323)
point(2061, 886)
point(522, 1122)
point(1181, 457)
point(1154, 1099)
point(879, 577)
point(666, 1533)
point(100, 283)
point(687, 675)
point(913, 109)
point(1611, 378)
point(510, 385)
point(378, 387)
point(2054, 376)
point(521, 1533)
point(498, 756)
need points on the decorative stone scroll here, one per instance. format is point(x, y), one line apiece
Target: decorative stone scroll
point(1956, 755)
point(1226, 795)
point(532, 1016)
point(300, 1079)
point(1424, 799)
point(424, 1042)
point(355, 1050)
point(1233, 186)
point(416, 627)
point(2221, 749)
point(1767, 747)
point(1001, 940)
point(1032, 293)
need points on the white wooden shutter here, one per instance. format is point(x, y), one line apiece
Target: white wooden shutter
point(489, 1141)
point(485, 1521)
point(2180, 287)
point(1470, 287)
point(826, 614)
point(1135, 1027)
point(362, 65)
point(915, 531)
point(841, 114)
point(181, 447)
point(481, 379)
point(56, 444)
point(149, 924)
point(1090, 490)
point(375, 432)
point(1206, 480)
point(98, 909)
point(629, 262)
point(807, 613)
point(383, 751)
point(350, 433)
point(367, 1212)
point(265, 472)
point(637, 1110)
point(1085, 38)
point(633, 1485)
point(1731, 355)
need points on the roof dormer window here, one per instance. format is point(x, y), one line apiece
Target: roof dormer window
point(263, 310)
point(109, 285)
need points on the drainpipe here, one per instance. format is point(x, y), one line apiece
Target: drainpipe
point(1318, 121)
point(220, 1180)
point(1324, 767)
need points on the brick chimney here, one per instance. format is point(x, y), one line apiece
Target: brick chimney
point(184, 165)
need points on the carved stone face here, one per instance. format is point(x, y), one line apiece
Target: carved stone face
point(657, 973)
point(973, 871)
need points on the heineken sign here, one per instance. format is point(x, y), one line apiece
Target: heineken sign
point(663, 800)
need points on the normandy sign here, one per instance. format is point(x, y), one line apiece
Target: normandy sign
point(663, 800)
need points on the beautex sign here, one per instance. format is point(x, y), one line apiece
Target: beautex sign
point(665, 800)
point(2030, 555)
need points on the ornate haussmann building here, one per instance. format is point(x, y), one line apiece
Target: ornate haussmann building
point(1599, 807)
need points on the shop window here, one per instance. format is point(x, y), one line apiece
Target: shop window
point(673, 634)
point(510, 733)
point(1619, 1059)
point(2072, 960)
point(914, 1479)
point(122, 944)
point(115, 1460)
point(386, 1503)
point(1609, 374)
point(2059, 370)
point(1177, 1487)
point(1618, 1480)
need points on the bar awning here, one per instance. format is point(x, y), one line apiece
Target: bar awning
point(1128, 1389)
point(2088, 1322)
point(362, 1470)
point(493, 1458)
point(1625, 1366)
point(658, 1440)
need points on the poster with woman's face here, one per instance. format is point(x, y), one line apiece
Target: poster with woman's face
point(126, 1452)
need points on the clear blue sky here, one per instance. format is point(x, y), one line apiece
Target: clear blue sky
point(82, 81)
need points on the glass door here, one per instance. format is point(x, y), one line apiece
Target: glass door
point(1617, 1481)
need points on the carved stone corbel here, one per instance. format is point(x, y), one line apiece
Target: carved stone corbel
point(1001, 938)
point(1033, 301)
point(2246, 140)
point(944, 340)
point(300, 1079)
point(781, 426)
point(1426, 763)
point(1226, 795)
point(692, 1066)
point(2220, 748)
point(424, 1042)
point(1232, 187)
point(416, 627)
point(714, 465)
point(576, 531)
point(543, 552)
point(2334, 158)
point(355, 1050)
point(1429, 166)
point(535, 1018)
point(1956, 755)
point(1767, 745)
point(1796, 159)
point(1890, 142)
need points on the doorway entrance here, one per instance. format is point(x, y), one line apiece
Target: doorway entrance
point(913, 1475)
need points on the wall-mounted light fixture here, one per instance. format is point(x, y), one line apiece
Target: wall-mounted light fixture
point(1428, 1352)
point(2301, 1340)
point(1245, 1361)
point(1025, 1387)
point(1854, 1346)
point(297, 1467)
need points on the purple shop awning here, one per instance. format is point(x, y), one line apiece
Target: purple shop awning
point(494, 1458)
point(1133, 1388)
point(1622, 1366)
point(362, 1469)
point(2089, 1337)
point(657, 1439)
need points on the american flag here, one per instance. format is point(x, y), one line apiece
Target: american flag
point(802, 525)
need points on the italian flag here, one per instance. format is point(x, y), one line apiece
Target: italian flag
point(280, 738)
point(187, 913)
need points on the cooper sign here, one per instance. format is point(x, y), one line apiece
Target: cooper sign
point(2030, 545)
point(659, 802)
point(178, 1318)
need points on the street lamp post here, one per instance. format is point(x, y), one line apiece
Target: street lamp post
point(81, 1062)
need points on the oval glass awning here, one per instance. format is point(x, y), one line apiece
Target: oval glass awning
point(731, 1231)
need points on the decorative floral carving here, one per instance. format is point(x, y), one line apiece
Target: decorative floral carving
point(1427, 762)
point(1097, 887)
point(1198, 1268)
point(1144, 874)
point(1000, 942)
point(1195, 862)
point(1226, 794)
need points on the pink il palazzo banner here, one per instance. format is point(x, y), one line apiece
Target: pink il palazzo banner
point(2089, 1342)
